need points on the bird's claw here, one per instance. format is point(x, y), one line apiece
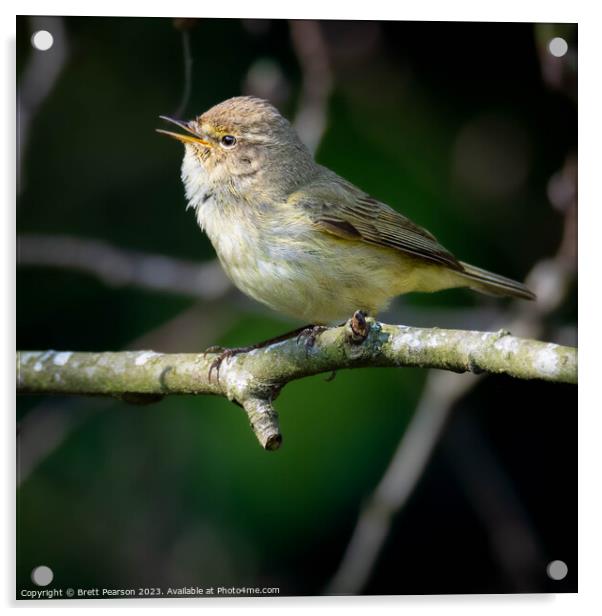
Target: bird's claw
point(310, 334)
point(216, 348)
point(223, 354)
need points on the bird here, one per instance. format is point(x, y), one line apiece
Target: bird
point(295, 236)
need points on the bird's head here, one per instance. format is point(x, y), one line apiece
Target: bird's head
point(243, 139)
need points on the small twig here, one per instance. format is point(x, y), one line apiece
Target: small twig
point(310, 47)
point(188, 61)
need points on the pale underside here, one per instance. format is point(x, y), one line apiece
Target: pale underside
point(313, 276)
point(327, 282)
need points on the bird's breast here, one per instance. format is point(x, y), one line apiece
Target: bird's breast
point(254, 254)
point(279, 259)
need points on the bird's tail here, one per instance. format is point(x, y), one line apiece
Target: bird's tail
point(492, 284)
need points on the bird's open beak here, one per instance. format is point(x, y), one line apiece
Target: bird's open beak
point(191, 138)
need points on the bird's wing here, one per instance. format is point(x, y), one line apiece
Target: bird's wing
point(341, 209)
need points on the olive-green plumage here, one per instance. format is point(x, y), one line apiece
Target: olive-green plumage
point(297, 237)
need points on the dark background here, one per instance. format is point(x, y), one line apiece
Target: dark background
point(463, 127)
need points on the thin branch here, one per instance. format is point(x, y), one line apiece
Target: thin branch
point(46, 427)
point(440, 393)
point(188, 61)
point(470, 456)
point(551, 280)
point(310, 47)
point(254, 379)
point(118, 267)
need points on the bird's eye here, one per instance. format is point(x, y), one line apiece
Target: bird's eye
point(228, 141)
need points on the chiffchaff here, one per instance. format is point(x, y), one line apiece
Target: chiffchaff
point(297, 237)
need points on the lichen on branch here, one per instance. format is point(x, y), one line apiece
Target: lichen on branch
point(254, 379)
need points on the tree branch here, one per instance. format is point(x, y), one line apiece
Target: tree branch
point(120, 267)
point(254, 379)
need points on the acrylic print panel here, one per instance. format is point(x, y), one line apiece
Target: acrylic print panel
point(401, 479)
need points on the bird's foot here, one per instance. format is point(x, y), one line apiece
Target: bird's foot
point(227, 353)
point(309, 334)
point(216, 348)
point(223, 355)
